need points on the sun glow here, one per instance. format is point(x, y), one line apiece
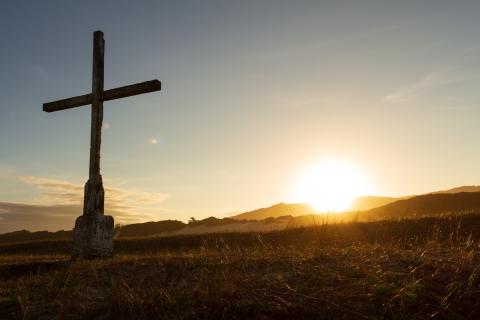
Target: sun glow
point(331, 186)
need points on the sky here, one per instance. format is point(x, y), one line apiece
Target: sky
point(253, 93)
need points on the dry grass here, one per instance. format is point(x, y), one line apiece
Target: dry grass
point(416, 269)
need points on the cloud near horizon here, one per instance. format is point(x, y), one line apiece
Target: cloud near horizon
point(61, 202)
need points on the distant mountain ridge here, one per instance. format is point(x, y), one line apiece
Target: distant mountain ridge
point(27, 236)
point(277, 210)
point(369, 202)
point(283, 215)
point(363, 203)
point(301, 209)
point(459, 190)
point(428, 204)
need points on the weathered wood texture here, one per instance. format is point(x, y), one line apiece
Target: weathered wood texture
point(132, 90)
point(94, 196)
point(69, 103)
point(97, 104)
point(112, 94)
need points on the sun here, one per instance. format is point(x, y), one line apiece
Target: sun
point(331, 186)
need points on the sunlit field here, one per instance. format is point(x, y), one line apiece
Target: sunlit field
point(410, 269)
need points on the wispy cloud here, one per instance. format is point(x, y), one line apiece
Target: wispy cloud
point(307, 99)
point(60, 202)
point(429, 81)
point(66, 193)
point(332, 43)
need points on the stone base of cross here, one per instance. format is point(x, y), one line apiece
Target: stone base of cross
point(93, 237)
point(93, 233)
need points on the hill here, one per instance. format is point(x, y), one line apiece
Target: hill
point(164, 228)
point(460, 189)
point(363, 203)
point(148, 228)
point(370, 202)
point(427, 205)
point(128, 231)
point(300, 209)
point(277, 210)
point(27, 236)
point(286, 216)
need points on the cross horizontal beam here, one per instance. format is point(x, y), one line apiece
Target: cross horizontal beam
point(117, 93)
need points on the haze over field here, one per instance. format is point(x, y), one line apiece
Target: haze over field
point(284, 216)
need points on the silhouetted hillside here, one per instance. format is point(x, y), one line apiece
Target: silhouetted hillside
point(460, 189)
point(370, 202)
point(148, 228)
point(210, 222)
point(161, 228)
point(283, 216)
point(300, 209)
point(429, 204)
point(128, 231)
point(366, 203)
point(27, 236)
point(278, 210)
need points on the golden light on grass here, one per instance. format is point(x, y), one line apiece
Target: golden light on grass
point(331, 186)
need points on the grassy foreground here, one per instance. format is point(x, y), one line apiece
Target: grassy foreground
point(411, 269)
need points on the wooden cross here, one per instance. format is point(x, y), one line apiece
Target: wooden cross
point(94, 194)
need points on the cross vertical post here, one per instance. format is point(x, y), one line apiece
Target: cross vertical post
point(97, 103)
point(94, 194)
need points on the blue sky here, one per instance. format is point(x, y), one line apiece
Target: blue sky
point(253, 93)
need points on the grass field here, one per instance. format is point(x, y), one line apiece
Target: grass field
point(410, 269)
